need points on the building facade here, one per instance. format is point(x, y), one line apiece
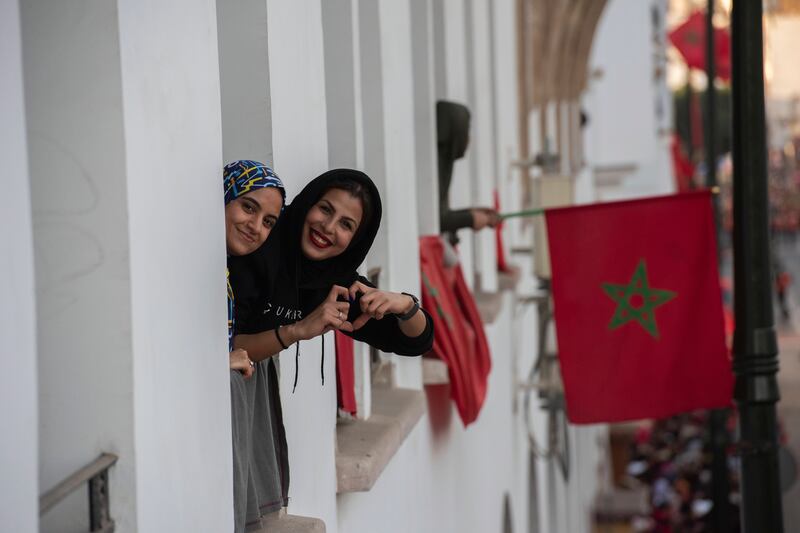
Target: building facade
point(121, 116)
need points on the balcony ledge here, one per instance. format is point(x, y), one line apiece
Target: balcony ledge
point(365, 447)
point(434, 371)
point(489, 305)
point(280, 522)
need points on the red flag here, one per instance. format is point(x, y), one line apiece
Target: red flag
point(459, 339)
point(682, 166)
point(690, 40)
point(345, 375)
point(638, 308)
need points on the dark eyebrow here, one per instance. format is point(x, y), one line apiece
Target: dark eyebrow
point(330, 205)
point(251, 199)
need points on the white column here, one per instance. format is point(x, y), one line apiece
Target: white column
point(506, 105)
point(340, 28)
point(452, 80)
point(19, 505)
point(173, 159)
point(425, 116)
point(482, 143)
point(300, 144)
point(400, 213)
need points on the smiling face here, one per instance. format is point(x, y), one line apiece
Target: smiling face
point(250, 218)
point(330, 225)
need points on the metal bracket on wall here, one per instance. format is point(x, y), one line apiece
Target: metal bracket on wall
point(545, 379)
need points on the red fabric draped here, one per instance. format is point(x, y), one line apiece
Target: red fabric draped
point(459, 340)
point(345, 376)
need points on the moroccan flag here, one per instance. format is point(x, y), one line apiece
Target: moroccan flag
point(638, 308)
point(459, 340)
point(690, 40)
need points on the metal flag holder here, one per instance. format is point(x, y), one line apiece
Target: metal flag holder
point(544, 378)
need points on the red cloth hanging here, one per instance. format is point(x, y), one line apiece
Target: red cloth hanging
point(459, 340)
point(345, 376)
point(681, 165)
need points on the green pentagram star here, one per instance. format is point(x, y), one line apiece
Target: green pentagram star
point(636, 301)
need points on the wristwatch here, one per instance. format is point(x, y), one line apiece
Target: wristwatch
point(411, 312)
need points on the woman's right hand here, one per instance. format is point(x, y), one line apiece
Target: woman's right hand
point(483, 217)
point(330, 314)
point(239, 360)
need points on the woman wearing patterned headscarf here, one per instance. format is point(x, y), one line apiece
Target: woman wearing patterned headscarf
point(254, 198)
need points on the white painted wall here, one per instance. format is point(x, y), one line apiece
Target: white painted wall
point(173, 153)
point(19, 490)
point(244, 80)
point(446, 478)
point(624, 125)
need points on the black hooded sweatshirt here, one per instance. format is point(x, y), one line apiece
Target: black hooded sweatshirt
point(452, 133)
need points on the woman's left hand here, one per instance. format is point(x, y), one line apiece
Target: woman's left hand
point(376, 303)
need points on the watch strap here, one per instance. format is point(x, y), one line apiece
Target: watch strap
point(411, 312)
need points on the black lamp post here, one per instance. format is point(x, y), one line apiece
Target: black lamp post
point(755, 346)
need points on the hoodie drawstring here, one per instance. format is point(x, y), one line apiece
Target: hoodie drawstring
point(297, 363)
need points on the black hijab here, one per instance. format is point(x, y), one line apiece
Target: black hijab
point(339, 270)
point(452, 135)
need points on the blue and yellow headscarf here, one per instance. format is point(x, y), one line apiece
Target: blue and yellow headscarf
point(239, 178)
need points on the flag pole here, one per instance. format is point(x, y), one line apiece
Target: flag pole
point(541, 211)
point(755, 348)
point(718, 432)
point(525, 213)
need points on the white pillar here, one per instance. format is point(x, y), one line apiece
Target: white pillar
point(340, 28)
point(425, 116)
point(450, 27)
point(506, 105)
point(19, 505)
point(400, 215)
point(482, 133)
point(173, 159)
point(300, 144)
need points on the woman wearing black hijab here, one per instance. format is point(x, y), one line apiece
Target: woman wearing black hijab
point(452, 136)
point(303, 282)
